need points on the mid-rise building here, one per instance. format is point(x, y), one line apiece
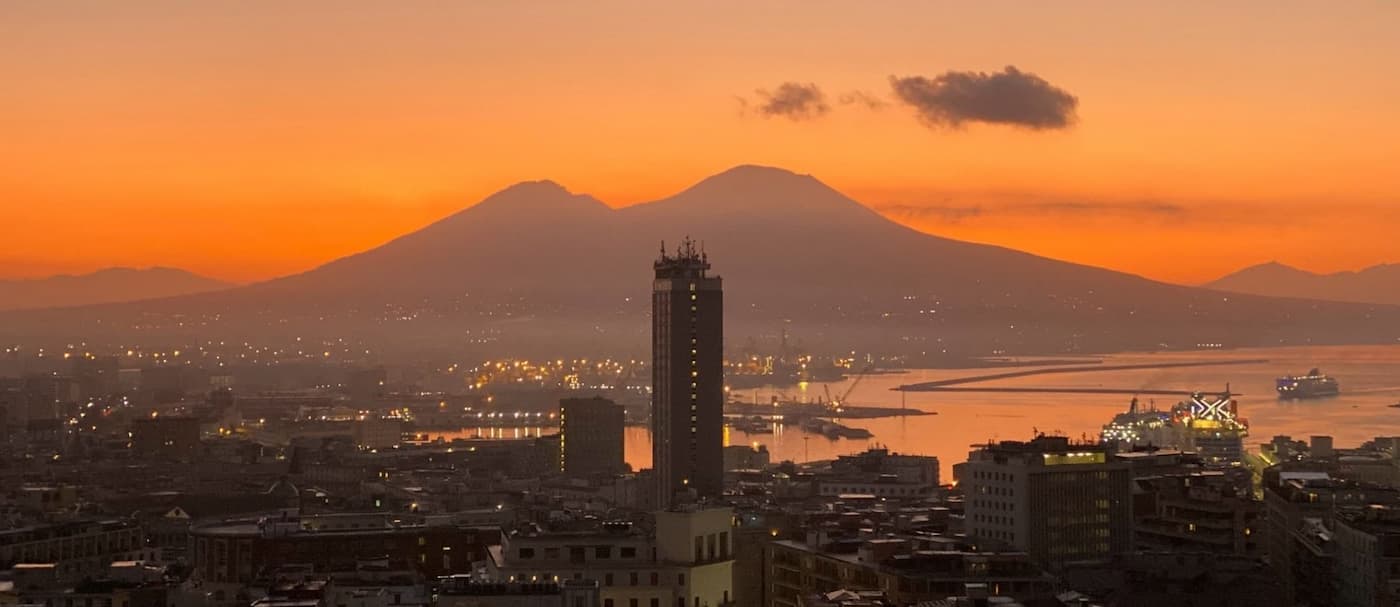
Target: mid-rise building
point(466, 592)
point(1301, 505)
point(909, 570)
point(1057, 500)
point(1182, 504)
point(687, 416)
point(686, 561)
point(1367, 557)
point(591, 436)
point(74, 549)
point(236, 551)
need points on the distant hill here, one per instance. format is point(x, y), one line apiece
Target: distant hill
point(102, 286)
point(535, 268)
point(1377, 284)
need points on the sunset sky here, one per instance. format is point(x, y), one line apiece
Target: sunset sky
point(244, 140)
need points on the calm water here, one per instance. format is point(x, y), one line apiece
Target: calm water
point(1369, 376)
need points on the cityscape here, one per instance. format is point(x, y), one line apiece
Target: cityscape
point(287, 319)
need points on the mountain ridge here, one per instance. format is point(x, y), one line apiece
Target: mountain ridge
point(106, 285)
point(537, 267)
point(1378, 284)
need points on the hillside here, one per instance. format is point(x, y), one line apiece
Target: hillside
point(536, 268)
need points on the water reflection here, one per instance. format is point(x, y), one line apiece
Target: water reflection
point(1370, 378)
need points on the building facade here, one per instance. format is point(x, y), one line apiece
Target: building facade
point(905, 571)
point(169, 438)
point(686, 561)
point(591, 436)
point(1056, 500)
point(687, 376)
point(75, 549)
point(239, 550)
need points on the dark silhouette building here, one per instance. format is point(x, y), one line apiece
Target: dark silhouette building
point(169, 438)
point(591, 436)
point(687, 375)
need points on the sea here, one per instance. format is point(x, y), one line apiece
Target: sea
point(1369, 378)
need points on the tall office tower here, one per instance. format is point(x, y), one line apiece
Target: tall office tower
point(591, 436)
point(1057, 501)
point(687, 376)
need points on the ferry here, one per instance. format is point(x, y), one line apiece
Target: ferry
point(1313, 385)
point(1208, 424)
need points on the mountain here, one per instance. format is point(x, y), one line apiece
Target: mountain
point(538, 269)
point(1377, 284)
point(102, 286)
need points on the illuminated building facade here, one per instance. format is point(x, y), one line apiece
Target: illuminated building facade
point(687, 417)
point(1056, 500)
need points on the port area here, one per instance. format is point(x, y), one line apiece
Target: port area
point(792, 412)
point(958, 384)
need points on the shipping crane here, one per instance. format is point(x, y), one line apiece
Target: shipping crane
point(836, 403)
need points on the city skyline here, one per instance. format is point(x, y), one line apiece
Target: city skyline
point(271, 141)
point(339, 302)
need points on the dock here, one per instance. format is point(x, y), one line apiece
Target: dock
point(955, 384)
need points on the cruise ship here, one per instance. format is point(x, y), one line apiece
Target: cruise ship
point(1139, 426)
point(1207, 424)
point(1313, 385)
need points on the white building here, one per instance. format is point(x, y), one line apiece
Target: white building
point(686, 562)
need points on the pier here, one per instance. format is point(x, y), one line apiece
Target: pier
point(958, 384)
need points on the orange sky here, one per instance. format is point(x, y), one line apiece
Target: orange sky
point(245, 140)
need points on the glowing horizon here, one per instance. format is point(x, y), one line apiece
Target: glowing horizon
point(246, 142)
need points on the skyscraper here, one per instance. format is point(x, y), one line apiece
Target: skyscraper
point(687, 351)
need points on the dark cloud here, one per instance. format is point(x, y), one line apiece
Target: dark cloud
point(1007, 97)
point(863, 98)
point(793, 100)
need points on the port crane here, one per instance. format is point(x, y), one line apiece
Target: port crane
point(835, 403)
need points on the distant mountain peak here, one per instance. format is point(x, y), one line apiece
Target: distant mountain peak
point(106, 285)
point(1273, 267)
point(768, 192)
point(749, 176)
point(533, 200)
point(1376, 284)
